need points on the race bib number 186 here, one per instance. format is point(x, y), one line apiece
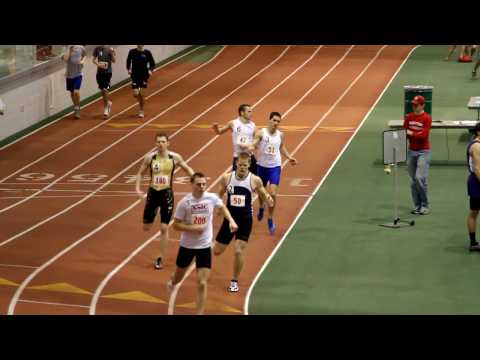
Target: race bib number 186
point(160, 180)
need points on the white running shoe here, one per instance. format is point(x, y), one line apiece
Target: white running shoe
point(108, 110)
point(233, 286)
point(141, 114)
point(77, 113)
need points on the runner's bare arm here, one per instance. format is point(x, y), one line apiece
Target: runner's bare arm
point(114, 54)
point(228, 216)
point(83, 58)
point(257, 139)
point(67, 53)
point(222, 185)
point(143, 168)
point(219, 130)
point(261, 191)
point(180, 162)
point(179, 225)
point(285, 152)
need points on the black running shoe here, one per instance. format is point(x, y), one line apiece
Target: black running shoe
point(475, 247)
point(158, 263)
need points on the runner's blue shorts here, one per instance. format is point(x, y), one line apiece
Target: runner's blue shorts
point(269, 175)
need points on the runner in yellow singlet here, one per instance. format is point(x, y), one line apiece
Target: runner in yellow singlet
point(160, 164)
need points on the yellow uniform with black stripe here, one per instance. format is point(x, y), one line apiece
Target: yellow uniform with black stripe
point(161, 172)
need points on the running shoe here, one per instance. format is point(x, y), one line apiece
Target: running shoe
point(141, 114)
point(415, 211)
point(475, 247)
point(108, 110)
point(271, 227)
point(233, 286)
point(157, 264)
point(424, 210)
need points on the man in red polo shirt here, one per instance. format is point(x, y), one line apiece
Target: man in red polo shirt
point(418, 124)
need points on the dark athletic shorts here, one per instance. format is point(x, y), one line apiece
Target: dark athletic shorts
point(103, 80)
point(224, 235)
point(252, 168)
point(203, 257)
point(474, 203)
point(139, 81)
point(74, 83)
point(162, 199)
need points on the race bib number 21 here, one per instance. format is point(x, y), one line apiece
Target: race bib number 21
point(270, 150)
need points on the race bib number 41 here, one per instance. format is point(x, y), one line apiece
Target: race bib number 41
point(237, 200)
point(242, 140)
point(160, 180)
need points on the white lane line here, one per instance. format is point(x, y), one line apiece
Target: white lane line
point(68, 196)
point(279, 244)
point(134, 131)
point(18, 266)
point(174, 292)
point(52, 303)
point(139, 159)
point(98, 99)
point(122, 194)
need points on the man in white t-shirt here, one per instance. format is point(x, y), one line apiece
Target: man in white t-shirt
point(194, 217)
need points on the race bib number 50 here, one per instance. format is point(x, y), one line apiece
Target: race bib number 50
point(237, 200)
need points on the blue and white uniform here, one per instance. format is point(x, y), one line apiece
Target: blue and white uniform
point(239, 203)
point(269, 163)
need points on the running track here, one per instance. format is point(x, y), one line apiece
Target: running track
point(72, 243)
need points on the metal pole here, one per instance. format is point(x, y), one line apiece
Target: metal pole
point(395, 185)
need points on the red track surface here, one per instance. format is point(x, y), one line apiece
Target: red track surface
point(87, 263)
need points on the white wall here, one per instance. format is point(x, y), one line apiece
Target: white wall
point(41, 93)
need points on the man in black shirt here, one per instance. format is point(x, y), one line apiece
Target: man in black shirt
point(140, 65)
point(103, 57)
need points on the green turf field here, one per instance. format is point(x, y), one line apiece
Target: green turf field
point(338, 260)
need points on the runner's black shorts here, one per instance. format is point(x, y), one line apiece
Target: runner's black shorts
point(139, 81)
point(474, 203)
point(162, 199)
point(224, 235)
point(103, 80)
point(203, 257)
